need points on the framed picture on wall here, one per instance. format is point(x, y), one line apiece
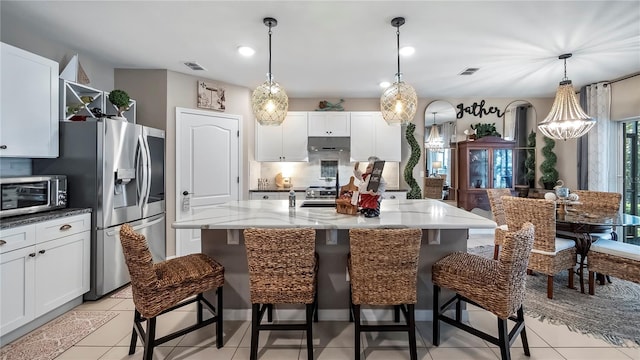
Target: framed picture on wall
point(210, 96)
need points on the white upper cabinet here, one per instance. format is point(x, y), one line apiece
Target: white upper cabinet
point(327, 123)
point(286, 142)
point(372, 136)
point(28, 104)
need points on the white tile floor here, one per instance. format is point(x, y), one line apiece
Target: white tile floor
point(334, 340)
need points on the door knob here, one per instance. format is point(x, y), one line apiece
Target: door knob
point(185, 193)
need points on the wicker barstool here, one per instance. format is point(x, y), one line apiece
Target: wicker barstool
point(433, 187)
point(283, 267)
point(497, 209)
point(383, 268)
point(615, 258)
point(162, 287)
point(550, 254)
point(497, 286)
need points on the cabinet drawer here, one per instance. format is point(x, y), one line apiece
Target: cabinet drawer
point(16, 238)
point(54, 229)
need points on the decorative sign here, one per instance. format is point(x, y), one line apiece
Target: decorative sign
point(477, 110)
point(210, 96)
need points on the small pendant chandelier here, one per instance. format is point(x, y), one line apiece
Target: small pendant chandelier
point(434, 142)
point(269, 100)
point(399, 101)
point(566, 120)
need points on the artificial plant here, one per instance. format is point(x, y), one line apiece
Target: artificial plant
point(483, 130)
point(530, 161)
point(414, 191)
point(119, 99)
point(550, 175)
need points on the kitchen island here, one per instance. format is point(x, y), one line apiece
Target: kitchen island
point(445, 230)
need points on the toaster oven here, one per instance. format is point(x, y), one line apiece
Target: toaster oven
point(31, 194)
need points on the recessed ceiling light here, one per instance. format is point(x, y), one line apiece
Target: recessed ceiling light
point(385, 84)
point(407, 50)
point(246, 51)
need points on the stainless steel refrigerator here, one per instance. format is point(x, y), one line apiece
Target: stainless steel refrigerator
point(117, 169)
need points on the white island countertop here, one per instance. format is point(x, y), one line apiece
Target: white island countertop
point(423, 213)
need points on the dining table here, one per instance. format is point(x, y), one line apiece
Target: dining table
point(581, 225)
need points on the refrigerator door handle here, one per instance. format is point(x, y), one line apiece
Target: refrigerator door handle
point(143, 166)
point(112, 232)
point(147, 168)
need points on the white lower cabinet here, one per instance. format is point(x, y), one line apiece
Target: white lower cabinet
point(275, 195)
point(47, 272)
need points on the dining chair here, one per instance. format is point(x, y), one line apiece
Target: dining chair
point(595, 202)
point(433, 187)
point(283, 268)
point(497, 286)
point(161, 287)
point(550, 254)
point(383, 271)
point(497, 209)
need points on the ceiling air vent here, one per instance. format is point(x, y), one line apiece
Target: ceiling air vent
point(194, 65)
point(469, 71)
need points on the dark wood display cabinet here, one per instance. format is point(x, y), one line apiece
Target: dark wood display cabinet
point(485, 163)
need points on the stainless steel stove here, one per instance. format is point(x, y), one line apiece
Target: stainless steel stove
point(320, 196)
point(321, 192)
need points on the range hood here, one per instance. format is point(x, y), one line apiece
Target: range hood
point(323, 143)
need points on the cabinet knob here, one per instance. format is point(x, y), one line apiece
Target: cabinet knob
point(65, 227)
point(265, 197)
point(392, 197)
point(32, 255)
point(42, 251)
point(3, 147)
point(2, 242)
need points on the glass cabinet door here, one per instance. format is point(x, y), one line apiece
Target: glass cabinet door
point(502, 168)
point(479, 168)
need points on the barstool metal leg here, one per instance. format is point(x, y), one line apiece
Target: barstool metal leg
point(255, 319)
point(219, 322)
point(310, 310)
point(436, 316)
point(411, 320)
point(356, 320)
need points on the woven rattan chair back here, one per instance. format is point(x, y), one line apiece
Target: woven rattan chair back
point(144, 279)
point(384, 265)
point(541, 213)
point(598, 201)
point(495, 202)
point(281, 265)
point(514, 260)
point(433, 187)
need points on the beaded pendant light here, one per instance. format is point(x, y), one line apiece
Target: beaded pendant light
point(269, 100)
point(566, 120)
point(434, 141)
point(399, 101)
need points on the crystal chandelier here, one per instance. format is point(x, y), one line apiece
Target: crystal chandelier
point(269, 100)
point(399, 101)
point(566, 120)
point(434, 141)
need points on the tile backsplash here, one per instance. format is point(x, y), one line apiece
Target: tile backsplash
point(305, 174)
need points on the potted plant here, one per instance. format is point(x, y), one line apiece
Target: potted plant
point(483, 130)
point(414, 191)
point(530, 162)
point(550, 175)
point(120, 99)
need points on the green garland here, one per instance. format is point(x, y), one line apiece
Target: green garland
point(548, 167)
point(414, 192)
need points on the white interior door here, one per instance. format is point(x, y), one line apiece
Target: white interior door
point(207, 167)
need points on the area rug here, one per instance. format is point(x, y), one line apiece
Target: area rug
point(55, 337)
point(124, 293)
point(612, 314)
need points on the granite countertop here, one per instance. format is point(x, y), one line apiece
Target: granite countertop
point(14, 221)
point(423, 213)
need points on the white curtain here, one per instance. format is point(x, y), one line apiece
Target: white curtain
point(448, 133)
point(602, 174)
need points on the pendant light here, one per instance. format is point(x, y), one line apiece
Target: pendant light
point(399, 101)
point(434, 142)
point(566, 120)
point(269, 100)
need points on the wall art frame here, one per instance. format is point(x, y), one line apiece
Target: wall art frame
point(211, 96)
